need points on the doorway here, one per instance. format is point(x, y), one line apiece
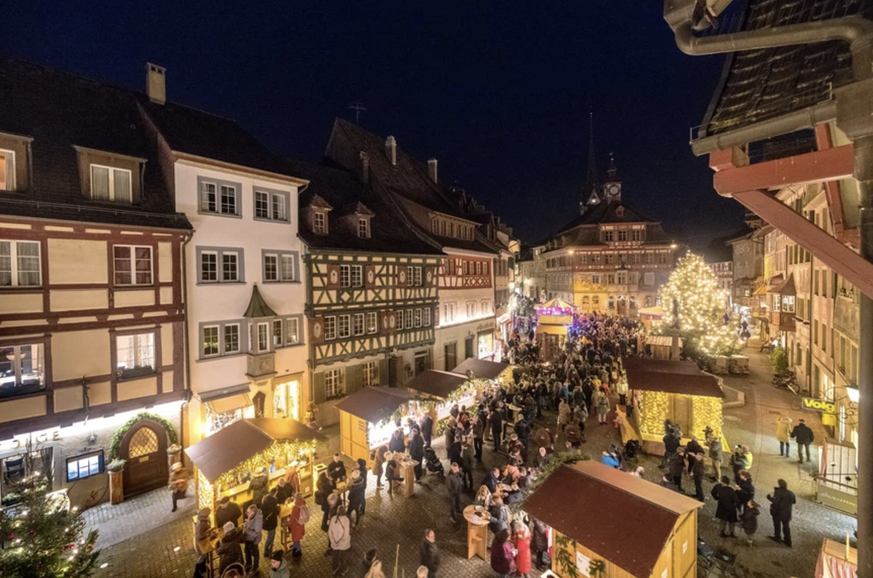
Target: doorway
point(469, 343)
point(451, 355)
point(144, 447)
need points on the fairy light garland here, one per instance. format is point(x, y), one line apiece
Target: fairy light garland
point(278, 452)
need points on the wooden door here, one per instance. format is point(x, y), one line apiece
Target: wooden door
point(145, 449)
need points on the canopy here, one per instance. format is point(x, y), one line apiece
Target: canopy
point(656, 311)
point(244, 439)
point(670, 376)
point(481, 368)
point(374, 404)
point(556, 303)
point(836, 561)
point(574, 499)
point(436, 383)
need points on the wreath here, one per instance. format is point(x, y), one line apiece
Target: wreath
point(115, 446)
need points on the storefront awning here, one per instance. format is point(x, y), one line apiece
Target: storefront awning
point(227, 399)
point(436, 383)
point(374, 404)
point(481, 368)
point(244, 439)
point(670, 376)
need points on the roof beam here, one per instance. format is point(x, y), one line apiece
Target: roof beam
point(832, 252)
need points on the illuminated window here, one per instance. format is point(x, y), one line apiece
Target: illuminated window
point(370, 373)
point(330, 327)
point(7, 170)
point(135, 354)
point(319, 223)
point(20, 264)
point(334, 383)
point(364, 228)
point(21, 366)
point(372, 322)
point(110, 184)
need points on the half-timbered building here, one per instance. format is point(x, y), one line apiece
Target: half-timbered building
point(465, 320)
point(245, 290)
point(371, 288)
point(91, 293)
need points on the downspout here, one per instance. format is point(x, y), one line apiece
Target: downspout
point(184, 409)
point(858, 32)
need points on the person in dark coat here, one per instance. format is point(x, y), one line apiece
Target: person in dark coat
point(745, 489)
point(522, 429)
point(697, 472)
point(230, 548)
point(336, 469)
point(270, 510)
point(479, 433)
point(539, 542)
point(492, 479)
point(323, 490)
point(677, 468)
point(391, 475)
point(804, 437)
point(367, 562)
point(497, 429)
point(258, 486)
point(501, 554)
point(397, 444)
point(284, 491)
point(227, 512)
point(691, 450)
point(726, 511)
point(426, 425)
point(455, 485)
point(749, 520)
point(782, 502)
point(416, 452)
point(362, 467)
point(357, 497)
point(429, 554)
point(671, 446)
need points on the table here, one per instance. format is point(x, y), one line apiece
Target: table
point(284, 533)
point(477, 532)
point(408, 468)
point(208, 547)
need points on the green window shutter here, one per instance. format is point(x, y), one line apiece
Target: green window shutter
point(354, 377)
point(383, 372)
point(318, 387)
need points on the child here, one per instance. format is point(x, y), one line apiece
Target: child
point(749, 520)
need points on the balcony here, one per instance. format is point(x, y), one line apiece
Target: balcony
point(782, 321)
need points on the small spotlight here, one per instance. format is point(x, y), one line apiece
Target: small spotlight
point(104, 565)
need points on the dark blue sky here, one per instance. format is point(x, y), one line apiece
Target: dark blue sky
point(498, 92)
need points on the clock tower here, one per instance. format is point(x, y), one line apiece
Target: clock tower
point(612, 187)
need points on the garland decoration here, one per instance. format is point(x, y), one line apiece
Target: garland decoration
point(277, 452)
point(115, 446)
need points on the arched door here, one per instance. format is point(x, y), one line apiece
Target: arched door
point(145, 449)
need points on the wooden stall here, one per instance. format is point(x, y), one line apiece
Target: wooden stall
point(494, 371)
point(225, 460)
point(554, 318)
point(651, 316)
point(365, 418)
point(445, 388)
point(661, 541)
point(676, 390)
point(836, 560)
point(664, 346)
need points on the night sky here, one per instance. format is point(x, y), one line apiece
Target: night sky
point(498, 92)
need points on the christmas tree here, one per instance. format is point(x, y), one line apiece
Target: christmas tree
point(41, 538)
point(695, 306)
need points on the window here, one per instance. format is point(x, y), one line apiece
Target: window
point(595, 279)
point(478, 268)
point(648, 279)
point(372, 322)
point(319, 223)
point(824, 338)
point(221, 265)
point(210, 341)
point(815, 332)
point(622, 235)
point(263, 337)
point(607, 236)
point(358, 322)
point(622, 277)
point(788, 303)
point(334, 383)
point(280, 267)
point(133, 265)
point(416, 276)
point(466, 267)
point(135, 354)
point(84, 466)
point(407, 318)
point(662, 258)
point(610, 279)
point(271, 206)
point(449, 312)
point(364, 228)
point(399, 320)
point(20, 264)
point(231, 338)
point(7, 171)
point(221, 198)
point(371, 373)
point(357, 276)
point(471, 309)
point(637, 235)
point(110, 184)
point(595, 300)
point(485, 268)
point(228, 200)
point(278, 333)
point(417, 317)
point(21, 366)
point(330, 327)
point(208, 198)
point(344, 328)
point(345, 275)
point(650, 259)
point(425, 314)
point(486, 306)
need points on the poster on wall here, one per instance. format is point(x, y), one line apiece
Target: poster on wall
point(583, 563)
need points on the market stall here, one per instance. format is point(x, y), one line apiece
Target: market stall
point(225, 461)
point(673, 390)
point(836, 484)
point(445, 388)
point(836, 560)
point(554, 319)
point(651, 316)
point(662, 346)
point(484, 369)
point(662, 541)
point(368, 416)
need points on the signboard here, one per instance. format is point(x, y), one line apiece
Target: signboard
point(583, 563)
point(824, 406)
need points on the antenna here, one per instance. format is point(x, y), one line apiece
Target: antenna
point(358, 107)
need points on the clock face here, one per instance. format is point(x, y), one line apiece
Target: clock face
point(371, 276)
point(316, 329)
point(334, 276)
point(613, 189)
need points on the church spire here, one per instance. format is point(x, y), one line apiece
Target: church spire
point(589, 193)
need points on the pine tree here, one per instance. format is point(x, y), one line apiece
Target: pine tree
point(40, 538)
point(694, 304)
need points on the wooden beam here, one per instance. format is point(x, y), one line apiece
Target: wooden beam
point(823, 246)
point(816, 167)
point(832, 188)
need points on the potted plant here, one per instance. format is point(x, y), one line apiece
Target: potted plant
point(173, 454)
point(116, 480)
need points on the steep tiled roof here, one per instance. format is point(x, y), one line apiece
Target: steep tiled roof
point(59, 111)
point(759, 85)
point(583, 230)
point(340, 188)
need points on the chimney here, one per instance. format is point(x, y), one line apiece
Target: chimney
point(365, 168)
point(391, 149)
point(156, 83)
point(432, 169)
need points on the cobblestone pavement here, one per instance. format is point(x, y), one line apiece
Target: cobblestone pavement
point(165, 550)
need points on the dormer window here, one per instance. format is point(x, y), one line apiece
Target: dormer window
point(319, 223)
point(111, 184)
point(363, 228)
point(7, 170)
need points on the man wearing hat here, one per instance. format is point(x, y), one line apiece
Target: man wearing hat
point(227, 512)
point(178, 483)
point(278, 566)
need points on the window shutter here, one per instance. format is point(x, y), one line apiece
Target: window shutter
point(354, 378)
point(383, 372)
point(318, 387)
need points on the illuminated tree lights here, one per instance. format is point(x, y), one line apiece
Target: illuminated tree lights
point(694, 304)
